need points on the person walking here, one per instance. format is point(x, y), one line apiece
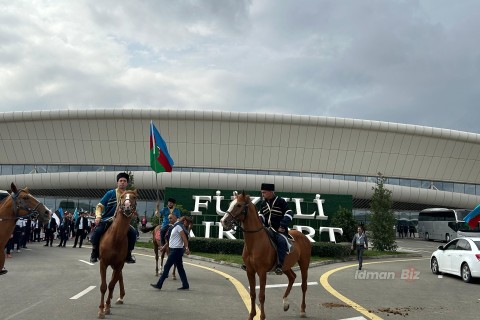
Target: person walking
point(104, 213)
point(360, 243)
point(50, 228)
point(178, 244)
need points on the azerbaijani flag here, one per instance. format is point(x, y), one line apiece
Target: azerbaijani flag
point(473, 217)
point(75, 215)
point(160, 159)
point(58, 215)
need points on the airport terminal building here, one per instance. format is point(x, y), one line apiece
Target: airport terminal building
point(71, 157)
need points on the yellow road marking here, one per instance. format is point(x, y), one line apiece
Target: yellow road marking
point(354, 305)
point(242, 291)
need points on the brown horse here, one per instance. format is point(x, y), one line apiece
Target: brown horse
point(18, 204)
point(157, 245)
point(260, 256)
point(113, 250)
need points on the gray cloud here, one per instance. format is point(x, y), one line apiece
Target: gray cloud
point(411, 62)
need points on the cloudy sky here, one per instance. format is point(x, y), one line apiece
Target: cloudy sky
point(414, 62)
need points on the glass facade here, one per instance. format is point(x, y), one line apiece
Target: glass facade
point(148, 207)
point(414, 183)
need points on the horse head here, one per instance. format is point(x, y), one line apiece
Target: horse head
point(128, 202)
point(237, 211)
point(25, 205)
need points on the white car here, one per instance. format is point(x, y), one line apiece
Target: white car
point(460, 257)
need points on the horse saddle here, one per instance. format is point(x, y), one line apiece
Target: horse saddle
point(273, 239)
point(157, 234)
point(3, 194)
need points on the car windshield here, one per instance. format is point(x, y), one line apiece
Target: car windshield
point(477, 243)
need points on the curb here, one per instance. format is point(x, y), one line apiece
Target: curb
point(312, 265)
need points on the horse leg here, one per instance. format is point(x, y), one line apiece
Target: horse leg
point(161, 262)
point(2, 258)
point(252, 284)
point(111, 286)
point(291, 278)
point(155, 249)
point(261, 294)
point(122, 289)
point(103, 289)
point(304, 271)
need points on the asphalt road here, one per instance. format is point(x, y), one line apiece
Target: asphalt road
point(59, 283)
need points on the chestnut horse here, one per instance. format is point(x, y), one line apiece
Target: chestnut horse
point(157, 244)
point(113, 250)
point(260, 256)
point(18, 204)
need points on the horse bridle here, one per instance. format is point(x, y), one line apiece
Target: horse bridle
point(31, 212)
point(130, 210)
point(244, 212)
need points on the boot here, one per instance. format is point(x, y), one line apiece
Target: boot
point(278, 270)
point(94, 255)
point(130, 258)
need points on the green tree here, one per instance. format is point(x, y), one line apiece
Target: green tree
point(131, 181)
point(344, 219)
point(382, 218)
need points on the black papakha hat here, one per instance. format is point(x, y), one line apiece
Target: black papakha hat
point(123, 175)
point(268, 187)
point(171, 200)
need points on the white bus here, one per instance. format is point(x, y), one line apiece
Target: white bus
point(445, 224)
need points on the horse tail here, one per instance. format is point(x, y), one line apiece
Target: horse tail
point(147, 229)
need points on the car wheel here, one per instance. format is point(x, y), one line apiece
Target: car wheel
point(466, 274)
point(447, 238)
point(434, 266)
point(427, 237)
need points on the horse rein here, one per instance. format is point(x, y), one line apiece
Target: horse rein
point(31, 212)
point(244, 212)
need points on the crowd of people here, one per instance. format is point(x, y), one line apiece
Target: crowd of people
point(405, 231)
point(30, 230)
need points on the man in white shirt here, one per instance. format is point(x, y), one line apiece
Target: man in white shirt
point(177, 241)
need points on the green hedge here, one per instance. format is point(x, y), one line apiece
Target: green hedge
point(227, 246)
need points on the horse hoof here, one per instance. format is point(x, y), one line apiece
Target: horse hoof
point(107, 312)
point(101, 315)
point(303, 315)
point(174, 278)
point(286, 306)
point(119, 301)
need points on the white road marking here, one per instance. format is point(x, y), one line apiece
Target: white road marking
point(82, 293)
point(356, 318)
point(284, 285)
point(22, 311)
point(87, 262)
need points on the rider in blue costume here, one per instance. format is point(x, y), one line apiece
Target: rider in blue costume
point(104, 213)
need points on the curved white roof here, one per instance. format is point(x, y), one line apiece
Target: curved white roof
point(230, 140)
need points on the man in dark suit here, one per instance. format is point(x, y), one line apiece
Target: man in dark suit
point(81, 229)
point(50, 228)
